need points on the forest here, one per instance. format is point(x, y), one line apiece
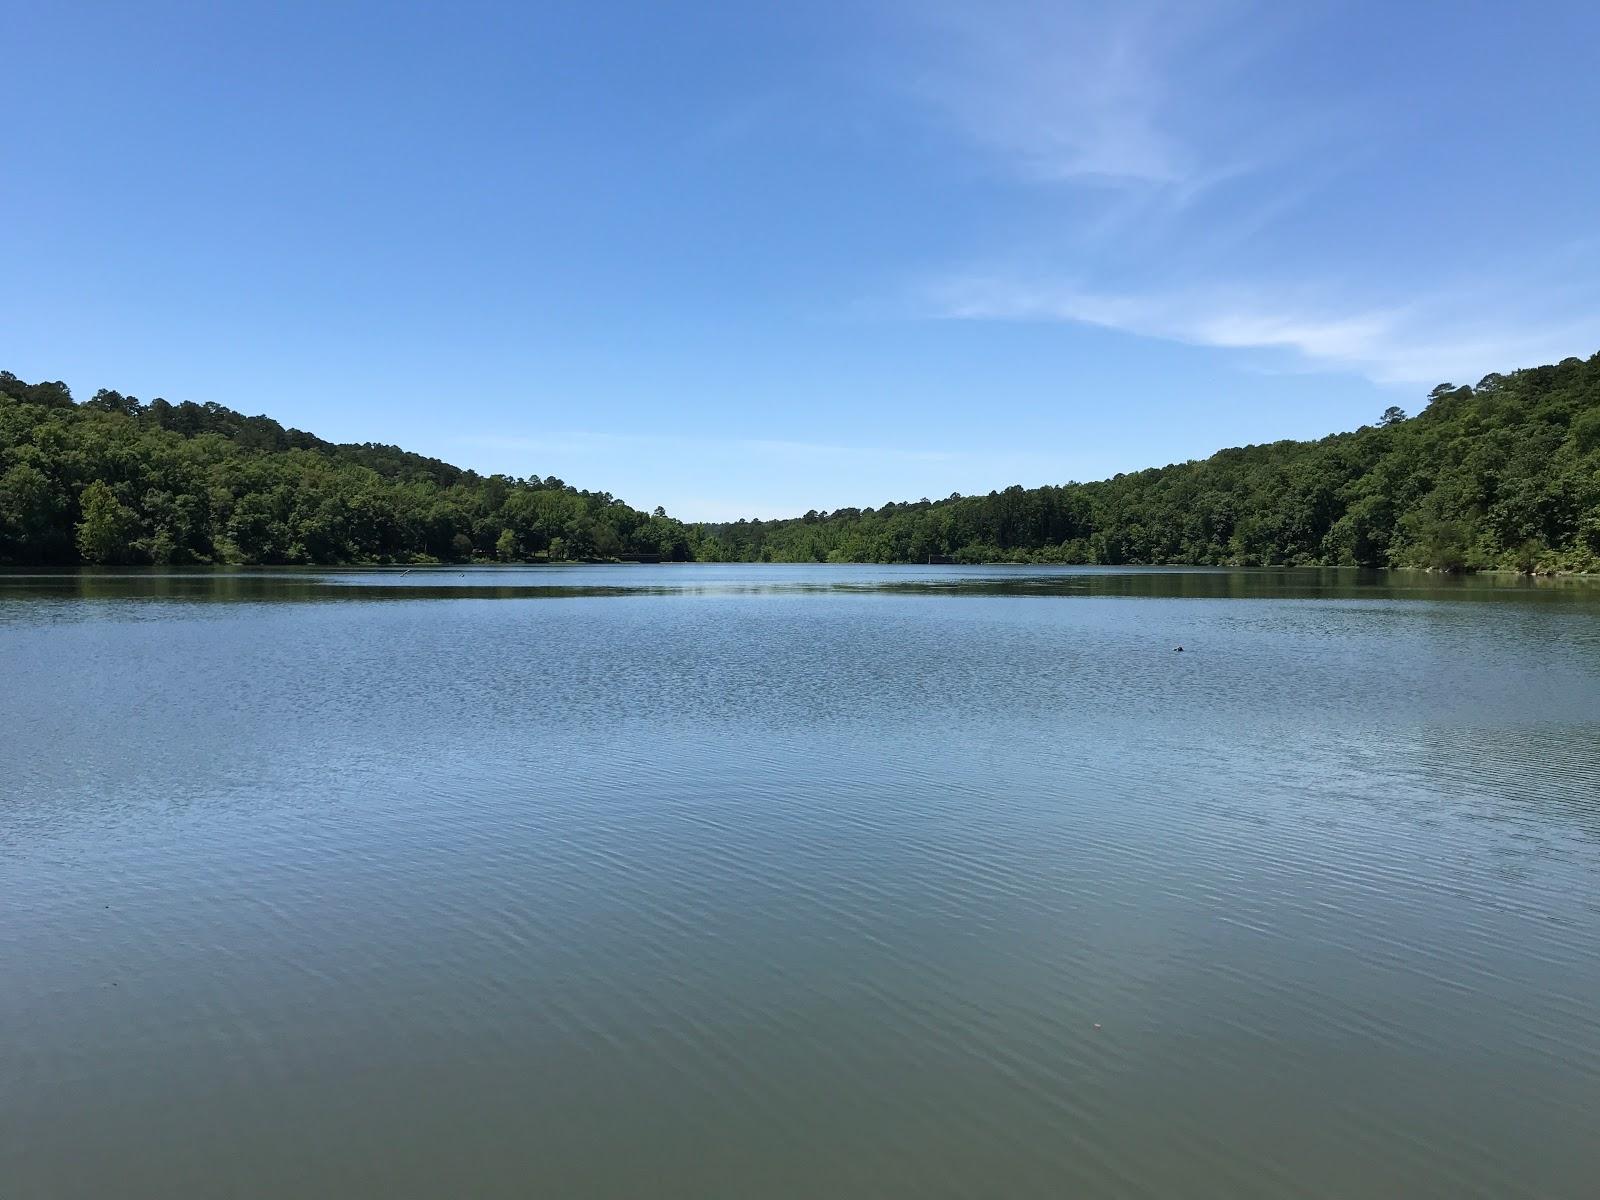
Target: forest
point(116, 480)
point(1504, 474)
point(1501, 475)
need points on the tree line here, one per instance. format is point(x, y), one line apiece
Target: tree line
point(1501, 475)
point(117, 480)
point(1504, 474)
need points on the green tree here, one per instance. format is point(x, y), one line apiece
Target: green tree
point(106, 533)
point(28, 510)
point(1505, 474)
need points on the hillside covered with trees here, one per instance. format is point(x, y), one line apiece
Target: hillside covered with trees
point(114, 480)
point(1502, 475)
point(1505, 474)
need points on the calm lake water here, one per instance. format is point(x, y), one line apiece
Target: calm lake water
point(798, 882)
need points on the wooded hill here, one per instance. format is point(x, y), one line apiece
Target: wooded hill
point(115, 480)
point(1504, 474)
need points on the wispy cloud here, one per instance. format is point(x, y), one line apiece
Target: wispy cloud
point(1174, 165)
point(1082, 108)
point(1099, 94)
point(1457, 334)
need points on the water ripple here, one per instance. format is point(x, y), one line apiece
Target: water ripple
point(938, 883)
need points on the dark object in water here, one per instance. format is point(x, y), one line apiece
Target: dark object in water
point(1177, 649)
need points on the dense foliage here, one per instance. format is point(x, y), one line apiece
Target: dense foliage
point(1502, 475)
point(114, 480)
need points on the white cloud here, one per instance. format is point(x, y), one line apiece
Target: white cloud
point(1092, 93)
point(1186, 188)
point(1458, 335)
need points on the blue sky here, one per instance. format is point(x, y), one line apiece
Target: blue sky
point(742, 259)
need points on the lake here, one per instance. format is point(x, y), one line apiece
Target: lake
point(770, 881)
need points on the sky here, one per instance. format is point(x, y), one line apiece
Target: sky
point(740, 259)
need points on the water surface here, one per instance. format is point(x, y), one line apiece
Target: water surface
point(695, 881)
